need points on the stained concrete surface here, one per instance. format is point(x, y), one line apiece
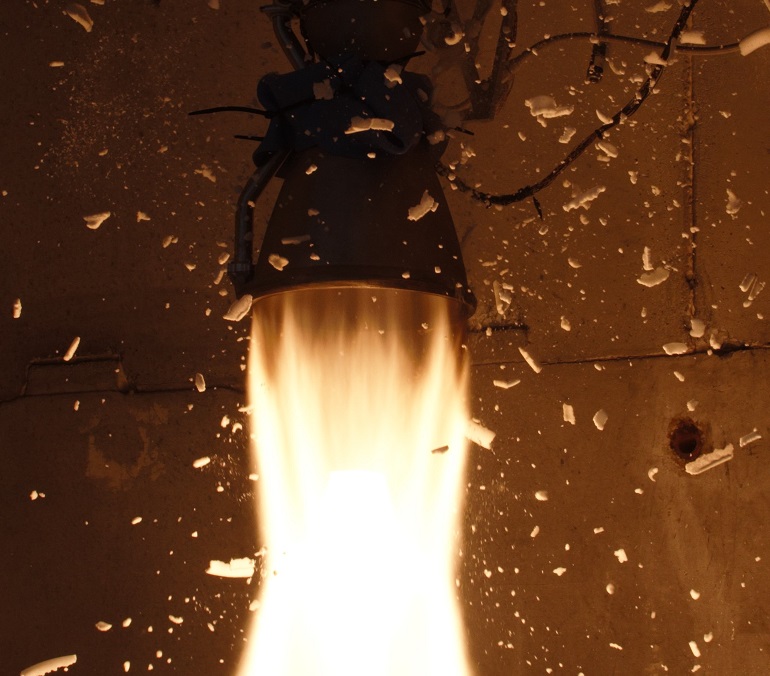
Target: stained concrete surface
point(145, 327)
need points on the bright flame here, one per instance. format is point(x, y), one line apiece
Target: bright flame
point(355, 396)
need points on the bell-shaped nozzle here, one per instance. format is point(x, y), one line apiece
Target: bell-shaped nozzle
point(379, 222)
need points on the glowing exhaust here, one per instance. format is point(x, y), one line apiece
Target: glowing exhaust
point(358, 412)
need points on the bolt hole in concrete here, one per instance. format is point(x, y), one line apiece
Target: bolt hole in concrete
point(685, 438)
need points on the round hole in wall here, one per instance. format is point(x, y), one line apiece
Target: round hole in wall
point(685, 438)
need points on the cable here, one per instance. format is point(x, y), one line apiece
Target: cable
point(624, 113)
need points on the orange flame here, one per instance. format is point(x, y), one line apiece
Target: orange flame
point(351, 389)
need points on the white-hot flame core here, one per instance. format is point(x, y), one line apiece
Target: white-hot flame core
point(350, 395)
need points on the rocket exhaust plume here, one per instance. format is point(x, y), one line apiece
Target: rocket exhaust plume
point(358, 399)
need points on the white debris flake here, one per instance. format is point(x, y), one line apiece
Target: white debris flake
point(141, 216)
point(34, 495)
point(692, 38)
point(584, 199)
point(616, 646)
point(126, 666)
point(48, 666)
point(95, 220)
point(201, 462)
point(675, 348)
point(654, 59)
point(694, 648)
point(568, 413)
point(323, 91)
point(236, 568)
point(175, 619)
point(296, 239)
point(607, 148)
point(610, 588)
point(697, 328)
point(754, 41)
point(708, 637)
point(695, 595)
point(574, 263)
point(478, 434)
point(567, 134)
point(534, 532)
point(136, 520)
point(733, 205)
point(206, 172)
point(103, 626)
point(565, 324)
point(505, 384)
point(620, 554)
point(278, 262)
point(200, 382)
point(651, 473)
point(70, 353)
point(749, 438)
point(17, 308)
point(710, 460)
point(657, 276)
point(359, 124)
point(312, 168)
point(545, 107)
point(542, 496)
point(503, 296)
point(600, 419)
point(239, 309)
point(658, 7)
point(393, 75)
point(168, 240)
point(530, 360)
point(79, 13)
point(559, 571)
point(604, 119)
point(426, 205)
point(692, 404)
point(126, 623)
point(679, 376)
point(647, 259)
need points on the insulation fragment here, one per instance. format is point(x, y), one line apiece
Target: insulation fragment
point(710, 460)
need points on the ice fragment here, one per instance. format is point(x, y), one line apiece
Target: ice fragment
point(607, 148)
point(48, 666)
point(278, 262)
point(427, 204)
point(236, 568)
point(565, 324)
point(542, 496)
point(200, 382)
point(532, 363)
point(749, 438)
point(567, 134)
point(652, 472)
point(239, 309)
point(95, 220)
point(621, 556)
point(692, 38)
point(559, 571)
point(584, 199)
point(505, 384)
point(695, 595)
point(661, 6)
point(359, 124)
point(654, 59)
point(103, 626)
point(17, 308)
point(545, 107)
point(600, 419)
point(478, 434)
point(754, 41)
point(70, 353)
point(675, 348)
point(78, 13)
point(697, 328)
point(710, 460)
point(733, 205)
point(694, 648)
point(568, 413)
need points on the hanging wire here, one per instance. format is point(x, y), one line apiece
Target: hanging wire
point(620, 116)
